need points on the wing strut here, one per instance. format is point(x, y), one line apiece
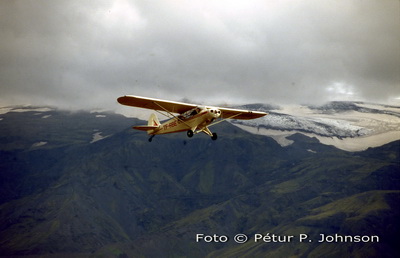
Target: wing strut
point(214, 135)
point(222, 120)
point(171, 113)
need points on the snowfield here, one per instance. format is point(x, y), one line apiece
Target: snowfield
point(352, 126)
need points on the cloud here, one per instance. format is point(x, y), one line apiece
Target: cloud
point(77, 54)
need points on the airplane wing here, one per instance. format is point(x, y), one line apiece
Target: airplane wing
point(231, 113)
point(155, 104)
point(180, 107)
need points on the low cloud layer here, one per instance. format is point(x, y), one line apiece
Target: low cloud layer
point(85, 54)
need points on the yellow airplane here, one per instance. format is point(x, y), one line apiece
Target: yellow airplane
point(191, 118)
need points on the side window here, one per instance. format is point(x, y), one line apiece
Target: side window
point(194, 112)
point(191, 113)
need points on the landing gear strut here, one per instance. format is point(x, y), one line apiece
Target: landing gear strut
point(208, 132)
point(214, 136)
point(151, 138)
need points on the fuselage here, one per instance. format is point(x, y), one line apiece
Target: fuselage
point(194, 119)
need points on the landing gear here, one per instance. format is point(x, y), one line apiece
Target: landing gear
point(214, 136)
point(209, 133)
point(151, 138)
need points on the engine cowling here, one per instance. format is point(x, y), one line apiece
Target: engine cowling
point(214, 112)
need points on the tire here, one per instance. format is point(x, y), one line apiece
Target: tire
point(190, 133)
point(214, 136)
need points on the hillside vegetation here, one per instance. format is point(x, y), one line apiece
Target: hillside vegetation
point(64, 193)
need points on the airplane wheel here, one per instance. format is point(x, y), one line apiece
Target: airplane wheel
point(190, 133)
point(214, 137)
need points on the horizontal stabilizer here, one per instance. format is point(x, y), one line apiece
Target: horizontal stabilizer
point(145, 127)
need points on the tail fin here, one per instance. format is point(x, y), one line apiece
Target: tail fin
point(153, 120)
point(152, 125)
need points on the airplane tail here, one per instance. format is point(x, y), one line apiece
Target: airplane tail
point(153, 120)
point(152, 124)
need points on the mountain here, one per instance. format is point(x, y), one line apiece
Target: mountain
point(351, 126)
point(85, 183)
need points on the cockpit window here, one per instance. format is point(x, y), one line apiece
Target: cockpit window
point(190, 113)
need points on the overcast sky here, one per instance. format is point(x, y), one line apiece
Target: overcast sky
point(85, 54)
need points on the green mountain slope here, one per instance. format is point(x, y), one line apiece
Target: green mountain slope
point(122, 195)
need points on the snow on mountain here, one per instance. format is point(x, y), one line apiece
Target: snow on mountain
point(38, 144)
point(352, 126)
point(25, 109)
point(97, 136)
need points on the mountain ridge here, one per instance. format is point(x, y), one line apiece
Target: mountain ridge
point(115, 197)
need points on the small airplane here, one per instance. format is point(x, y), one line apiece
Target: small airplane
point(191, 118)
